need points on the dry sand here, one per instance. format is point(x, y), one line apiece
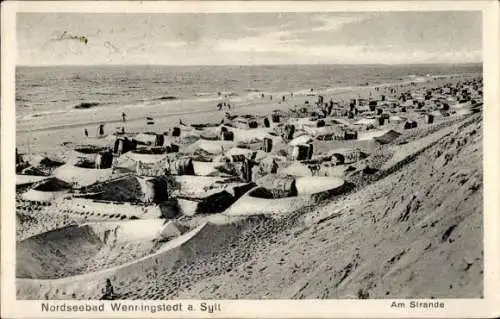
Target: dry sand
point(411, 228)
point(414, 233)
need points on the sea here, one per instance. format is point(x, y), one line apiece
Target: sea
point(55, 89)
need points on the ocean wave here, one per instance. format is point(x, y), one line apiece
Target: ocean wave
point(228, 94)
point(21, 99)
point(42, 114)
point(167, 97)
point(162, 82)
point(204, 94)
point(86, 105)
point(106, 93)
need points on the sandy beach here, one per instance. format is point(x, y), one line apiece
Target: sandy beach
point(45, 134)
point(374, 226)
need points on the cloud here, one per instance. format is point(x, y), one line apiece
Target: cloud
point(288, 36)
point(332, 23)
point(264, 38)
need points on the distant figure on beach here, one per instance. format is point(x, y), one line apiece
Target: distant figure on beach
point(291, 94)
point(246, 170)
point(283, 98)
point(228, 107)
point(274, 167)
point(271, 97)
point(86, 133)
point(109, 293)
point(124, 116)
point(219, 94)
point(100, 130)
point(312, 90)
point(262, 95)
point(219, 106)
point(314, 168)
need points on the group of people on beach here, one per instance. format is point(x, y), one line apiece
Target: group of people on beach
point(100, 131)
point(221, 105)
point(100, 128)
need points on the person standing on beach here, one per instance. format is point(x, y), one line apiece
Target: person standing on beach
point(100, 130)
point(86, 133)
point(108, 291)
point(124, 116)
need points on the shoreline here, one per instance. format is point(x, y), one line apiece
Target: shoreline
point(47, 140)
point(241, 101)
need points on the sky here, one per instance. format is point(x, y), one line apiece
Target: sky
point(249, 38)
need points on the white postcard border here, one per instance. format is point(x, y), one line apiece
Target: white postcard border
point(487, 307)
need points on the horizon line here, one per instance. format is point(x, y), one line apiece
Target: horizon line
point(258, 64)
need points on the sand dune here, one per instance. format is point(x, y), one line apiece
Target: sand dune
point(382, 229)
point(394, 239)
point(75, 250)
point(307, 187)
point(184, 251)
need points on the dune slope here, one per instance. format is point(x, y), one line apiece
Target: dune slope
point(416, 232)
